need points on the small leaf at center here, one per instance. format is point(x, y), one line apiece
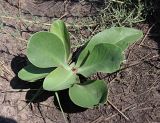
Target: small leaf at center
point(60, 79)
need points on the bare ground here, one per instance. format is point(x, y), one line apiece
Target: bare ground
point(134, 90)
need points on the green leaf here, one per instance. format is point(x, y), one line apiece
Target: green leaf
point(58, 27)
point(89, 94)
point(103, 58)
point(120, 36)
point(82, 58)
point(32, 73)
point(60, 79)
point(45, 50)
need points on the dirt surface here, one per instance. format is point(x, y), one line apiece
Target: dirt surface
point(134, 90)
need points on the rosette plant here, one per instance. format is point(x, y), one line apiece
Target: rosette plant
point(50, 57)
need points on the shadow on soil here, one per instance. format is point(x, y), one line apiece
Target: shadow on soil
point(67, 105)
point(6, 120)
point(35, 95)
point(153, 19)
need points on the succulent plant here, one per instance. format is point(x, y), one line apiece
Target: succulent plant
point(50, 54)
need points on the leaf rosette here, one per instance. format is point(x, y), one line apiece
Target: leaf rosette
point(50, 54)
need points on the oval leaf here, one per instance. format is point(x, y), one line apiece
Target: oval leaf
point(59, 28)
point(104, 58)
point(89, 94)
point(45, 50)
point(82, 58)
point(59, 79)
point(32, 73)
point(119, 36)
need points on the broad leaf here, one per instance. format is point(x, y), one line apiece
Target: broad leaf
point(45, 50)
point(60, 79)
point(89, 94)
point(32, 73)
point(120, 36)
point(59, 28)
point(103, 58)
point(82, 58)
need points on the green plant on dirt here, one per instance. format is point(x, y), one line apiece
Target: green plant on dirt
point(50, 57)
point(120, 13)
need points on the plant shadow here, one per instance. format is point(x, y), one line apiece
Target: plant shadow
point(66, 103)
point(18, 62)
point(7, 120)
point(34, 94)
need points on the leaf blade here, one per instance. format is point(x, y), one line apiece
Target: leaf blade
point(82, 58)
point(104, 58)
point(59, 28)
point(55, 82)
point(32, 73)
point(46, 50)
point(120, 36)
point(89, 94)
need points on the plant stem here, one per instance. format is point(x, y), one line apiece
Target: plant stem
point(33, 98)
point(59, 103)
